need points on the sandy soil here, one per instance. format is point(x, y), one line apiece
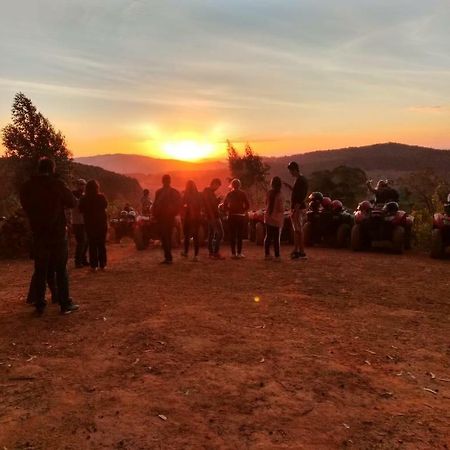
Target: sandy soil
point(343, 351)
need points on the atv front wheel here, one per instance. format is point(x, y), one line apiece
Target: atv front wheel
point(437, 244)
point(398, 240)
point(356, 239)
point(343, 235)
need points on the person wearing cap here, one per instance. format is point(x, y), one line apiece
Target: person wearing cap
point(383, 192)
point(146, 203)
point(215, 227)
point(78, 227)
point(298, 209)
point(236, 205)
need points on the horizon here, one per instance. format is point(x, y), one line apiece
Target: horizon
point(315, 76)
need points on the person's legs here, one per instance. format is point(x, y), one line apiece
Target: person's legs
point(187, 235)
point(276, 241)
point(51, 282)
point(218, 235)
point(58, 261)
point(93, 252)
point(233, 233)
point(211, 234)
point(166, 238)
point(195, 236)
point(240, 220)
point(102, 257)
point(80, 240)
point(297, 223)
point(39, 280)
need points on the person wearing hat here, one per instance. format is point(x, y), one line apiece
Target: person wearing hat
point(298, 208)
point(78, 227)
point(236, 205)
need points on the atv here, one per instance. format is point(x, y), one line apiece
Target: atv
point(123, 225)
point(440, 236)
point(327, 222)
point(378, 225)
point(257, 231)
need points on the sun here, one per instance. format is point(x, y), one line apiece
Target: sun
point(188, 150)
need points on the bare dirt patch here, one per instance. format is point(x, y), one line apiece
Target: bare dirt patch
point(343, 351)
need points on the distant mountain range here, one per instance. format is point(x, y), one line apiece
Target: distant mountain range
point(389, 160)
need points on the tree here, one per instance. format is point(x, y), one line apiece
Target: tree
point(347, 184)
point(250, 169)
point(31, 136)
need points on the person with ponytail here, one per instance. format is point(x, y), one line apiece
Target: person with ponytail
point(274, 218)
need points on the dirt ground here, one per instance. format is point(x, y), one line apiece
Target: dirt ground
point(342, 351)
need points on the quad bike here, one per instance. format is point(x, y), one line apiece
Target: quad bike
point(327, 222)
point(257, 232)
point(123, 225)
point(381, 225)
point(440, 236)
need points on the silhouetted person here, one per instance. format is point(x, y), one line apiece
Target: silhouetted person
point(236, 205)
point(78, 227)
point(166, 207)
point(298, 209)
point(274, 218)
point(146, 203)
point(44, 199)
point(215, 227)
point(383, 192)
point(93, 207)
point(192, 204)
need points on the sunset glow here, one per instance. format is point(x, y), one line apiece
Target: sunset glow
point(187, 150)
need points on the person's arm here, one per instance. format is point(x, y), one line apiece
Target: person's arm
point(246, 202)
point(287, 185)
point(68, 198)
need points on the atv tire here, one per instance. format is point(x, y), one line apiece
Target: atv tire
point(398, 240)
point(356, 239)
point(437, 244)
point(343, 236)
point(260, 233)
point(308, 234)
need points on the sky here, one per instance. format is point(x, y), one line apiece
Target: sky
point(179, 78)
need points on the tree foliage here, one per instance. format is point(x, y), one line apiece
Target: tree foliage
point(347, 184)
point(31, 136)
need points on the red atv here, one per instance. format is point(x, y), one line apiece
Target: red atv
point(379, 225)
point(327, 222)
point(257, 231)
point(440, 236)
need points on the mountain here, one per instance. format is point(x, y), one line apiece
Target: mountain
point(131, 164)
point(392, 159)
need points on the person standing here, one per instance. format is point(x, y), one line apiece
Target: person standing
point(166, 207)
point(236, 204)
point(215, 227)
point(93, 207)
point(298, 209)
point(78, 228)
point(44, 199)
point(146, 203)
point(274, 218)
point(192, 203)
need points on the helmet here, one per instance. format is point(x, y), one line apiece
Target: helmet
point(312, 205)
point(132, 214)
point(293, 166)
point(336, 205)
point(365, 206)
point(326, 202)
point(316, 196)
point(123, 214)
point(391, 207)
point(81, 182)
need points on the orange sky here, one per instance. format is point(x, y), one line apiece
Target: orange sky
point(143, 77)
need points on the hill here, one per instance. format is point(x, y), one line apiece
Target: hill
point(117, 188)
point(390, 158)
point(130, 164)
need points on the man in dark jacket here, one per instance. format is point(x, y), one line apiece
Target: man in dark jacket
point(44, 199)
point(78, 227)
point(166, 207)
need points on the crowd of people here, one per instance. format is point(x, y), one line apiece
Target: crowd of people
point(46, 200)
